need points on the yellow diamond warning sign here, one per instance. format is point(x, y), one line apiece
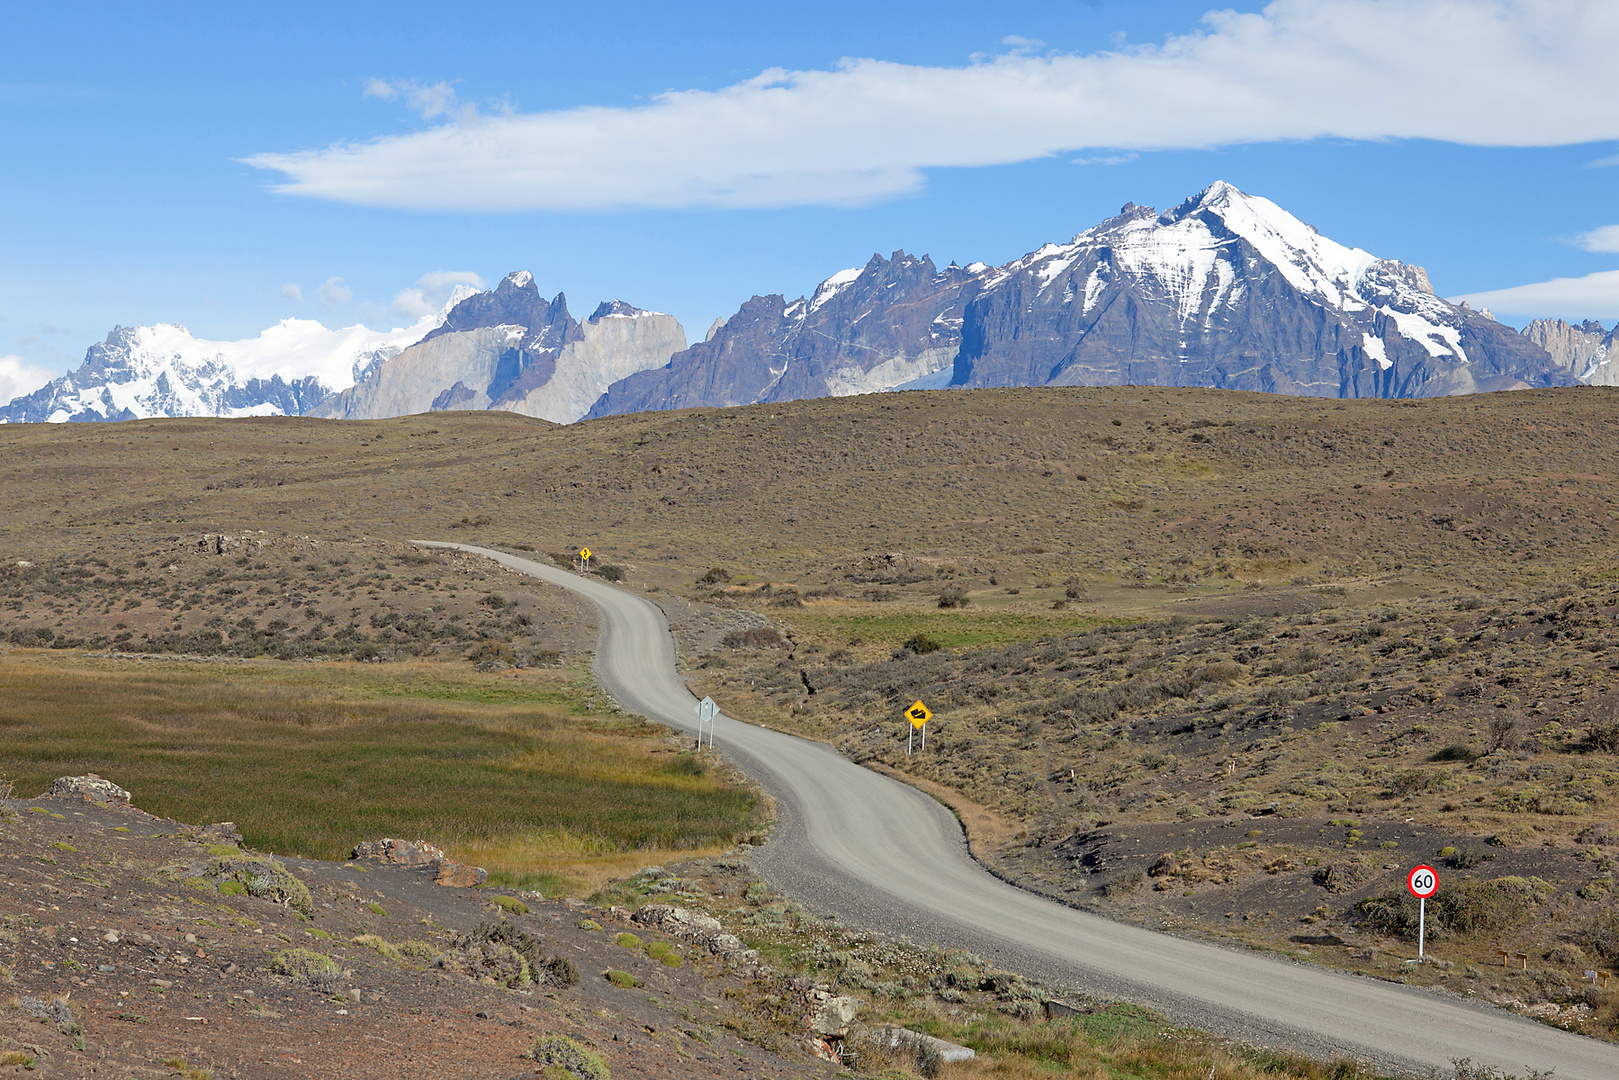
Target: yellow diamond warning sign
point(584, 554)
point(918, 715)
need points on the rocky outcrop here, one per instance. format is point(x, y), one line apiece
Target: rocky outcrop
point(892, 323)
point(425, 376)
point(697, 928)
point(420, 853)
point(90, 788)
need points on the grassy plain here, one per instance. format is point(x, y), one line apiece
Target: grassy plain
point(510, 773)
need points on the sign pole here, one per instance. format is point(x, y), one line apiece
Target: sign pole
point(1423, 882)
point(924, 736)
point(911, 735)
point(1422, 925)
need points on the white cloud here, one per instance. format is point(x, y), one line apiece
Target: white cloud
point(1604, 238)
point(334, 291)
point(432, 100)
point(1594, 296)
point(289, 291)
point(1481, 72)
point(18, 377)
point(432, 291)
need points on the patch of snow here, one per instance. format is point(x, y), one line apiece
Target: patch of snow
point(833, 285)
point(521, 278)
point(1377, 351)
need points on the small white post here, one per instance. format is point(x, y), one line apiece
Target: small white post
point(909, 738)
point(924, 736)
point(1422, 926)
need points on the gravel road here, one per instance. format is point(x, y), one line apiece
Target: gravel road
point(881, 854)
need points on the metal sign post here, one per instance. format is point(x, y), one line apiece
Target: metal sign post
point(706, 711)
point(1422, 883)
point(584, 560)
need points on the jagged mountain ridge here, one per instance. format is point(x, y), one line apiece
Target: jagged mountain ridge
point(511, 349)
point(1226, 290)
point(1585, 351)
point(825, 346)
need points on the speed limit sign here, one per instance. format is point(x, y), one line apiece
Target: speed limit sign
point(1423, 882)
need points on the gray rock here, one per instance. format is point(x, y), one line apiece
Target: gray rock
point(830, 1017)
point(91, 788)
point(895, 1038)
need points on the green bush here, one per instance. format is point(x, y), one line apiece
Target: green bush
point(510, 903)
point(627, 941)
point(264, 877)
point(664, 953)
point(621, 979)
point(307, 966)
point(921, 644)
point(568, 1058)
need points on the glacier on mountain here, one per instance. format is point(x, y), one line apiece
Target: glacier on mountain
point(163, 370)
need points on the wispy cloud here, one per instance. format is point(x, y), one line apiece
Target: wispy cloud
point(432, 292)
point(1594, 296)
point(434, 99)
point(1107, 159)
point(1481, 72)
point(1604, 238)
point(334, 292)
point(292, 292)
point(18, 377)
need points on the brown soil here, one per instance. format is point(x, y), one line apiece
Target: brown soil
point(186, 984)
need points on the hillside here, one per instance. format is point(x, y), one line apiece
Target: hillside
point(1221, 662)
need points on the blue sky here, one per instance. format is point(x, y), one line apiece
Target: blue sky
point(349, 162)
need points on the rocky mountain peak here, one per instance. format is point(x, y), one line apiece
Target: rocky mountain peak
point(617, 308)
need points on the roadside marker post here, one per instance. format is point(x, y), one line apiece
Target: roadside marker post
point(918, 715)
point(706, 711)
point(1423, 883)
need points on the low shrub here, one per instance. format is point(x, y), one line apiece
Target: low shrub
point(307, 966)
point(510, 903)
point(564, 1057)
point(621, 979)
point(921, 644)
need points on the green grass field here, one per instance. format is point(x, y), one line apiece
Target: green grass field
point(310, 759)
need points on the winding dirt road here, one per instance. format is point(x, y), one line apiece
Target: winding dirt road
point(883, 855)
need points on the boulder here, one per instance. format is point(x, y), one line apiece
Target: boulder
point(830, 1017)
point(904, 1038)
point(91, 788)
point(461, 876)
point(400, 852)
point(678, 921)
point(420, 853)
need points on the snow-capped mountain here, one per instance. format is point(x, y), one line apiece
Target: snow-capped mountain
point(511, 349)
point(1225, 290)
point(1229, 290)
point(162, 370)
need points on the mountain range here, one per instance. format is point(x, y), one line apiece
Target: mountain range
point(1226, 290)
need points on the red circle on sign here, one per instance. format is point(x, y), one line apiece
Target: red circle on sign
point(1423, 882)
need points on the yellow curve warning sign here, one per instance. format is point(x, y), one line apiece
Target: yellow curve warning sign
point(584, 554)
point(918, 715)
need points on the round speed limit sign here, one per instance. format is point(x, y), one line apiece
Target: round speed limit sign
point(1423, 882)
